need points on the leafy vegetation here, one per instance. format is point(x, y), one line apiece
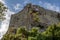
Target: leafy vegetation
point(51, 33)
point(2, 10)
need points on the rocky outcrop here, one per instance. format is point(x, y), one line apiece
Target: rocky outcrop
point(26, 17)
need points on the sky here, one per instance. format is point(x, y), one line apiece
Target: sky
point(15, 6)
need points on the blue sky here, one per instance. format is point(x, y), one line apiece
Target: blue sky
point(19, 4)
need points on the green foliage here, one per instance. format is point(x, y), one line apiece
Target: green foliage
point(32, 38)
point(35, 16)
point(34, 32)
point(51, 33)
point(20, 30)
point(2, 10)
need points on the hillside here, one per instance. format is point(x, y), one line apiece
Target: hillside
point(34, 16)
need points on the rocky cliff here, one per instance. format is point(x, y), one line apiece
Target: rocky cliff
point(34, 16)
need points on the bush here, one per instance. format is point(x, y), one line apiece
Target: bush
point(51, 33)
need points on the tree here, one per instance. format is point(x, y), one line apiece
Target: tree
point(51, 33)
point(2, 10)
point(23, 33)
point(34, 32)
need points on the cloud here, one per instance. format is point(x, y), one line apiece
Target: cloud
point(17, 6)
point(2, 1)
point(27, 1)
point(5, 23)
point(49, 6)
point(52, 7)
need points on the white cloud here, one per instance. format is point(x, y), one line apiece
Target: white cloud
point(40, 2)
point(17, 6)
point(5, 23)
point(2, 1)
point(50, 6)
point(25, 2)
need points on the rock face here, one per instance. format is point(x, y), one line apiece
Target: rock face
point(34, 16)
